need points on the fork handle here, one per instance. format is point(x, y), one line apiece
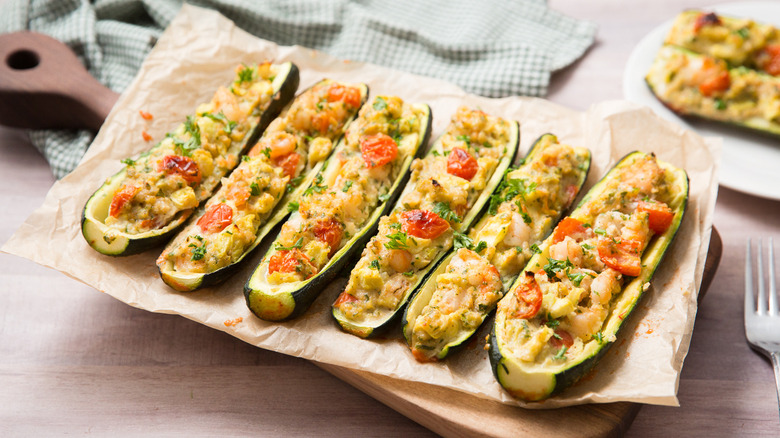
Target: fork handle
point(775, 355)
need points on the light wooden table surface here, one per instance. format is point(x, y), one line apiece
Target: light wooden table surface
point(75, 361)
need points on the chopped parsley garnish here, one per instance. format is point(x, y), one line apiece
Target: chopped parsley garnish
point(561, 353)
point(599, 337)
point(397, 240)
point(266, 152)
point(526, 217)
point(380, 103)
point(395, 226)
point(409, 273)
point(552, 323)
point(487, 145)
point(600, 232)
point(385, 197)
point(128, 161)
point(443, 210)
point(743, 32)
point(554, 266)
point(316, 187)
point(374, 264)
point(294, 183)
point(481, 246)
point(720, 105)
point(246, 74)
point(199, 252)
point(254, 189)
point(292, 206)
point(576, 278)
point(508, 190)
point(587, 246)
point(298, 244)
point(465, 138)
point(245, 158)
point(346, 187)
point(462, 241)
point(535, 249)
point(229, 125)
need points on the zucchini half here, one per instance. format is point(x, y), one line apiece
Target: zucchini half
point(278, 302)
point(750, 101)
point(185, 281)
point(482, 238)
point(375, 326)
point(536, 380)
point(113, 242)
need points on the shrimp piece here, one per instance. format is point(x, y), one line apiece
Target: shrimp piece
point(518, 232)
point(567, 249)
point(400, 260)
point(587, 322)
point(227, 103)
point(604, 286)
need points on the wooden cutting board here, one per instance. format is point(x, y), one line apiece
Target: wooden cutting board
point(453, 413)
point(43, 85)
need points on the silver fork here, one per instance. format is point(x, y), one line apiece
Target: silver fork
point(762, 321)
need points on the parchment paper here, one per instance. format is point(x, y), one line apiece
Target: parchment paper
point(199, 51)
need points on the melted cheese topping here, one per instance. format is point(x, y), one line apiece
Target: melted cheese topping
point(393, 260)
point(531, 199)
point(738, 41)
point(580, 276)
point(346, 193)
point(290, 147)
point(683, 81)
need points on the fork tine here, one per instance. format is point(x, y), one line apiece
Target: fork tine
point(750, 305)
point(772, 285)
point(761, 299)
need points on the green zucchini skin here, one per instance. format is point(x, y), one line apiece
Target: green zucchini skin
point(372, 330)
point(757, 125)
point(285, 305)
point(96, 208)
point(536, 385)
point(192, 282)
point(424, 293)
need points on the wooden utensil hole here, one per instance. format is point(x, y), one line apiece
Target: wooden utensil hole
point(23, 60)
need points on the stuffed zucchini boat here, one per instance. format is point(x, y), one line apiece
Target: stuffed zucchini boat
point(463, 290)
point(151, 197)
point(448, 189)
point(740, 42)
point(250, 201)
point(567, 306)
point(699, 85)
point(338, 213)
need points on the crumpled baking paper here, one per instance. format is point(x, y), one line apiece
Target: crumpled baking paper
point(199, 52)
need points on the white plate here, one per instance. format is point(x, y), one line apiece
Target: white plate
point(751, 162)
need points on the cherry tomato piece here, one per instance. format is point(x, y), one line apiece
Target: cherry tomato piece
point(217, 217)
point(290, 260)
point(771, 59)
point(186, 167)
point(344, 297)
point(719, 81)
point(329, 231)
point(121, 197)
point(349, 95)
point(378, 149)
point(423, 224)
point(462, 164)
point(288, 163)
point(568, 227)
point(624, 256)
point(529, 297)
point(660, 215)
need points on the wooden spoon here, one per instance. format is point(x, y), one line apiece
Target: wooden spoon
point(43, 85)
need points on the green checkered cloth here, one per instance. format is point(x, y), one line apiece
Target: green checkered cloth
point(493, 48)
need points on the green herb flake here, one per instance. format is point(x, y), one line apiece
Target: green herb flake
point(599, 337)
point(298, 244)
point(561, 354)
point(443, 210)
point(246, 74)
point(292, 206)
point(346, 187)
point(397, 240)
point(245, 158)
point(199, 252)
point(743, 32)
point(254, 189)
point(374, 264)
point(316, 187)
point(128, 161)
point(720, 105)
point(380, 103)
point(554, 266)
point(481, 246)
point(462, 241)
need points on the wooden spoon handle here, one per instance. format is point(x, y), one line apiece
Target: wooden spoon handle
point(44, 86)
